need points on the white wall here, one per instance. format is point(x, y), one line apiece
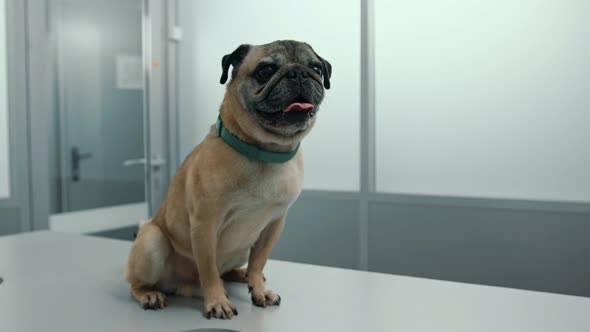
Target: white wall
point(212, 29)
point(484, 98)
point(4, 155)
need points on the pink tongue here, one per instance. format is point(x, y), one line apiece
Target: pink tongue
point(305, 107)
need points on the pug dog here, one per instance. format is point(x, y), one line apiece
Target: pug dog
point(227, 204)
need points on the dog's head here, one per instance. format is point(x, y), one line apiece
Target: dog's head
point(279, 85)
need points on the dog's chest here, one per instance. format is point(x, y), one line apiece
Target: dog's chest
point(270, 185)
point(263, 199)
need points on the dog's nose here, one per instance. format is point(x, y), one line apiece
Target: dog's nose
point(296, 73)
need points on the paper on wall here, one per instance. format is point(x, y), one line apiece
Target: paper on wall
point(129, 72)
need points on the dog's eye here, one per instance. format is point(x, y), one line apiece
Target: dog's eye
point(264, 73)
point(317, 69)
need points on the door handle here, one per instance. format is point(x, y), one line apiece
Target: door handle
point(76, 157)
point(156, 162)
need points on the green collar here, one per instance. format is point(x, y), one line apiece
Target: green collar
point(250, 150)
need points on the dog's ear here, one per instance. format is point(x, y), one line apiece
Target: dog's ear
point(326, 71)
point(326, 68)
point(233, 59)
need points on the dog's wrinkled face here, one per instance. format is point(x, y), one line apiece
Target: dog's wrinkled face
point(281, 84)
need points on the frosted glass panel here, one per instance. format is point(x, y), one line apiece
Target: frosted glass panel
point(4, 155)
point(483, 98)
point(212, 29)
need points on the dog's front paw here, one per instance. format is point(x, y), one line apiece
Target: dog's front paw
point(219, 307)
point(152, 300)
point(264, 298)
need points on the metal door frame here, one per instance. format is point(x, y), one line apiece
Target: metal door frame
point(160, 108)
point(16, 49)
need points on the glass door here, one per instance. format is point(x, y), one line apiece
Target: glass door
point(99, 135)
